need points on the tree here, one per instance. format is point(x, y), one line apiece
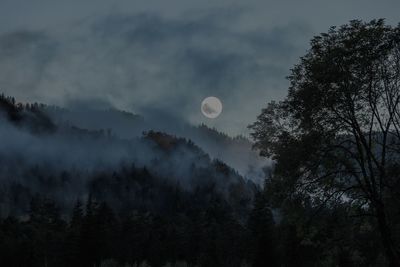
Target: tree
point(261, 226)
point(47, 232)
point(336, 137)
point(77, 215)
point(74, 234)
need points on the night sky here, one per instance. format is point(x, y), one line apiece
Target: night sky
point(165, 56)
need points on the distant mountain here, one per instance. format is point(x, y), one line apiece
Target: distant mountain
point(42, 152)
point(235, 151)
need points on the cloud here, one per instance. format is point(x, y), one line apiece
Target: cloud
point(145, 61)
point(24, 56)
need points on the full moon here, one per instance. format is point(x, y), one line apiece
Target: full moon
point(211, 107)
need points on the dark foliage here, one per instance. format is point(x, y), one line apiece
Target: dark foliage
point(335, 140)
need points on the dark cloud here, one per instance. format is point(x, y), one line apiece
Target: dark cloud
point(24, 56)
point(153, 58)
point(146, 61)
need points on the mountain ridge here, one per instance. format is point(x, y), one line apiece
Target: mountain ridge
point(69, 163)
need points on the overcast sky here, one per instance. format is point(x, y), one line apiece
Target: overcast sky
point(165, 55)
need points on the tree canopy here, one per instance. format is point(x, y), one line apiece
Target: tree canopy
point(335, 138)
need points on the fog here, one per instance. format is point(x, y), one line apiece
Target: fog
point(63, 163)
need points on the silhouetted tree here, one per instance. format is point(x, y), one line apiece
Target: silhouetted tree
point(336, 137)
point(263, 237)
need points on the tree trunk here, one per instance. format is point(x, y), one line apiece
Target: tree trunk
point(387, 241)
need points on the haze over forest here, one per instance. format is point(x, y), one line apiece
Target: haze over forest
point(194, 133)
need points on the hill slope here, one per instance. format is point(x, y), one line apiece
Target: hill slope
point(236, 152)
point(66, 163)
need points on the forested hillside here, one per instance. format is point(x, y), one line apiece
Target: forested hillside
point(78, 197)
point(235, 151)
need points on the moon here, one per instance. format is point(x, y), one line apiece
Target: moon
point(211, 107)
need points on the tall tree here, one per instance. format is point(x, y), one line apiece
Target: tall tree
point(263, 241)
point(336, 136)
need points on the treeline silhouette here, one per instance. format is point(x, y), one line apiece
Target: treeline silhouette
point(26, 115)
point(156, 222)
point(196, 228)
point(95, 234)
